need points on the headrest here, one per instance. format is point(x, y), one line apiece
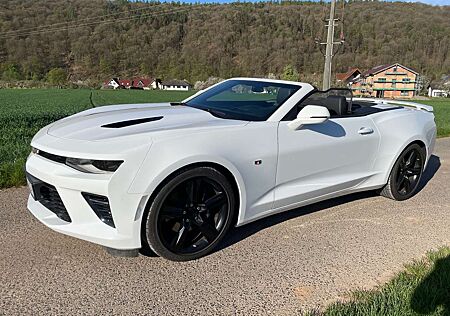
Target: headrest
point(337, 104)
point(283, 94)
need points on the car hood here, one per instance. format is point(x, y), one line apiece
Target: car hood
point(122, 120)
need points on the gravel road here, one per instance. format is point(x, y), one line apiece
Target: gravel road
point(280, 265)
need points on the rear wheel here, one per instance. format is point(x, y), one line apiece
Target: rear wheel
point(190, 214)
point(406, 174)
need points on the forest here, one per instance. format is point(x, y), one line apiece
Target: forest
point(89, 41)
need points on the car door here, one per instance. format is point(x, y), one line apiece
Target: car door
point(320, 159)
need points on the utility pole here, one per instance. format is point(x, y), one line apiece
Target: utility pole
point(329, 50)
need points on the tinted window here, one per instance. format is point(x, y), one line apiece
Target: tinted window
point(244, 99)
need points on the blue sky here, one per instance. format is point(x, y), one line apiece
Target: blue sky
point(433, 2)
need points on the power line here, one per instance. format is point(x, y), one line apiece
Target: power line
point(66, 28)
point(81, 20)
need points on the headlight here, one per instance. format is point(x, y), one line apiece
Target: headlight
point(83, 165)
point(93, 166)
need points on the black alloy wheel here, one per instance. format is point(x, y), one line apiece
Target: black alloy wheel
point(406, 174)
point(190, 215)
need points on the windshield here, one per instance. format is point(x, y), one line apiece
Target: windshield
point(244, 99)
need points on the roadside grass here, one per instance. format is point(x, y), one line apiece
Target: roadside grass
point(422, 288)
point(24, 112)
point(441, 108)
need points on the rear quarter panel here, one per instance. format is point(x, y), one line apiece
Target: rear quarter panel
point(399, 128)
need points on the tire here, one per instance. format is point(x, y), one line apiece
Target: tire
point(190, 214)
point(405, 175)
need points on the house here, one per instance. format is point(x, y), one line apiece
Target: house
point(179, 85)
point(435, 92)
point(387, 81)
point(125, 83)
point(135, 83)
point(440, 88)
point(145, 83)
point(111, 84)
point(348, 76)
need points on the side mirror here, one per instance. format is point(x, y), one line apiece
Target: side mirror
point(310, 114)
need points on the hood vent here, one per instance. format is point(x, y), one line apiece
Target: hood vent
point(132, 122)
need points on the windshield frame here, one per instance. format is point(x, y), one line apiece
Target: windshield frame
point(234, 113)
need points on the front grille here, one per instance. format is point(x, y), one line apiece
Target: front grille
point(100, 206)
point(47, 195)
point(56, 158)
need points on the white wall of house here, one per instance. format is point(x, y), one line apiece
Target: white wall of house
point(177, 88)
point(434, 93)
point(113, 84)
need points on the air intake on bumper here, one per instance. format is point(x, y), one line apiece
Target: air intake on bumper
point(100, 206)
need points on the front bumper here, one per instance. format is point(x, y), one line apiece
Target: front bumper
point(126, 208)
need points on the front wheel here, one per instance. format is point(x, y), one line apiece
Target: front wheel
point(406, 174)
point(190, 215)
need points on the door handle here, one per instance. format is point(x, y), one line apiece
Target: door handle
point(365, 130)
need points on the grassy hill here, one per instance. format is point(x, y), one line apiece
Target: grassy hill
point(92, 40)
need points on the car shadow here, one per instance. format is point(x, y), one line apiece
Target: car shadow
point(433, 166)
point(432, 295)
point(237, 234)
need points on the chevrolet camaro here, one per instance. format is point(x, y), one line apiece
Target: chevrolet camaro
point(172, 178)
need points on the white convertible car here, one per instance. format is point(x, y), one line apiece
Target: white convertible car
point(173, 177)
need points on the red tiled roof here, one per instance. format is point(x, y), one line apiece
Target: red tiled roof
point(145, 82)
point(125, 82)
point(344, 76)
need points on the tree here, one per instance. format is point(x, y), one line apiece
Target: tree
point(290, 73)
point(11, 72)
point(57, 76)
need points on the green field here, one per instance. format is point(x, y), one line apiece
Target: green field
point(24, 112)
point(442, 114)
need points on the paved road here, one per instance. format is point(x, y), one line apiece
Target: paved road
point(277, 266)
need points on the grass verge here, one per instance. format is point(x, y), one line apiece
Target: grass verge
point(422, 288)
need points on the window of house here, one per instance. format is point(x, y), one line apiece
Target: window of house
point(406, 79)
point(404, 93)
point(382, 79)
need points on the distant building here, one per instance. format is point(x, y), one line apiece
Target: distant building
point(180, 85)
point(111, 84)
point(146, 83)
point(348, 76)
point(387, 81)
point(125, 84)
point(440, 88)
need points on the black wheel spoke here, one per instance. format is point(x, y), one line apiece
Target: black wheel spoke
point(194, 190)
point(172, 212)
point(216, 201)
point(407, 185)
point(412, 159)
point(414, 171)
point(190, 190)
point(209, 231)
point(400, 182)
point(180, 239)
